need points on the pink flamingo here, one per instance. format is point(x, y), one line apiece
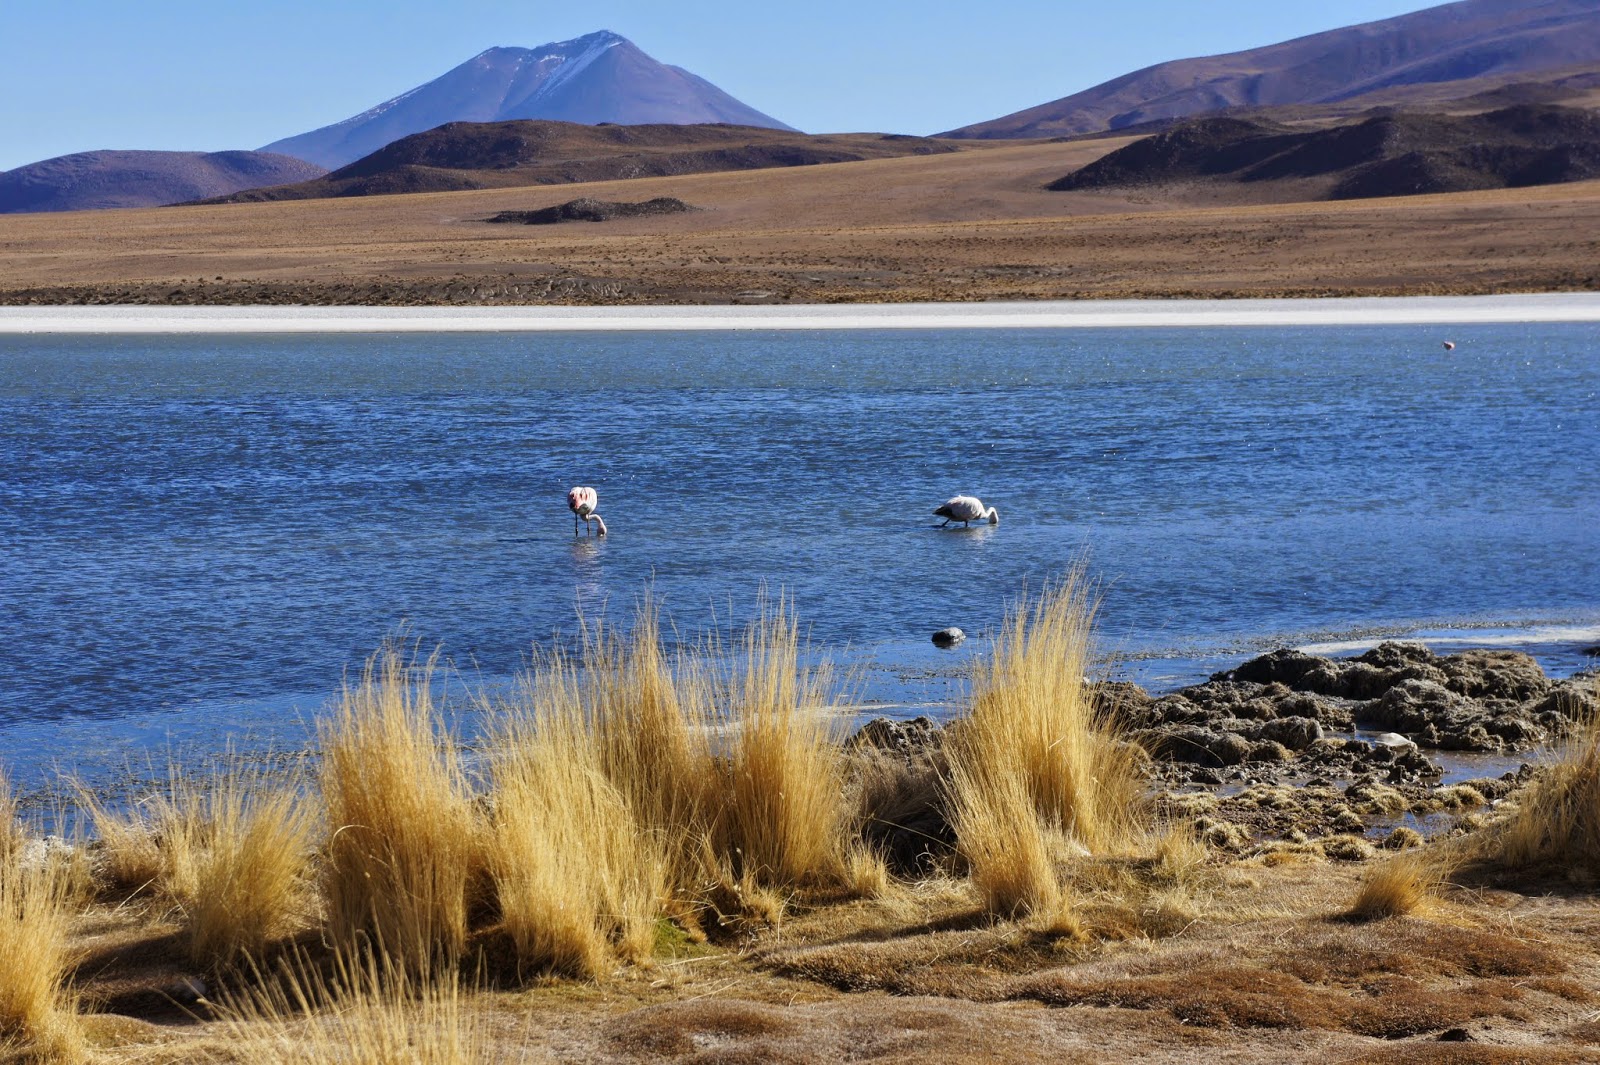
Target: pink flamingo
point(966, 509)
point(582, 501)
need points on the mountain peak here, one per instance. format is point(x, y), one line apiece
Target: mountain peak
point(598, 77)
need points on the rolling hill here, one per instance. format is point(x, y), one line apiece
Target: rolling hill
point(1373, 63)
point(481, 155)
point(600, 77)
point(1399, 154)
point(106, 179)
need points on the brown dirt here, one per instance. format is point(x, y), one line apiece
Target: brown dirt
point(1269, 972)
point(972, 225)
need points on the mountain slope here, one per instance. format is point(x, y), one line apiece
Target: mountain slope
point(95, 180)
point(600, 77)
point(1454, 42)
point(478, 155)
point(1385, 155)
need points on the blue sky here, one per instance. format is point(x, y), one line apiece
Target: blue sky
point(205, 76)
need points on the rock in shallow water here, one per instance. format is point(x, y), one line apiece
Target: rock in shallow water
point(948, 637)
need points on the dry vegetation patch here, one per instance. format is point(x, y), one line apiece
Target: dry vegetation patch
point(38, 1014)
point(680, 860)
point(1401, 979)
point(405, 842)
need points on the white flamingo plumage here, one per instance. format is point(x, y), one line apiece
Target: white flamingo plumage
point(582, 502)
point(966, 509)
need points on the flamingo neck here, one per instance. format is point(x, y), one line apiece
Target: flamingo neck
point(994, 516)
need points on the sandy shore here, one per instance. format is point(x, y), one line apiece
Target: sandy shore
point(1054, 314)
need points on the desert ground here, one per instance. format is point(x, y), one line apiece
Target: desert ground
point(1272, 971)
point(971, 225)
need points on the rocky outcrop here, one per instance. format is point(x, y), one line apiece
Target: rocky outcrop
point(1258, 753)
point(588, 209)
point(1289, 713)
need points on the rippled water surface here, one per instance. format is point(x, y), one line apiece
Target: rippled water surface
point(199, 532)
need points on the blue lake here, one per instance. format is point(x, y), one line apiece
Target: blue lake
point(201, 535)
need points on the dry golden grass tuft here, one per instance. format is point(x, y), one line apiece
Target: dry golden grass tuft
point(1556, 821)
point(405, 841)
point(381, 1015)
point(899, 802)
point(784, 811)
point(12, 835)
point(1400, 885)
point(578, 878)
point(239, 855)
point(38, 1021)
point(867, 873)
point(1011, 852)
point(1037, 772)
point(132, 856)
point(650, 726)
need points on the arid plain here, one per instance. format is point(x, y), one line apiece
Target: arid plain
point(975, 224)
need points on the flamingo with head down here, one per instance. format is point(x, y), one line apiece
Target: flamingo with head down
point(966, 509)
point(582, 502)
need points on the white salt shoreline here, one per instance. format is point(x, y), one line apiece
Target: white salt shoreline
point(1059, 314)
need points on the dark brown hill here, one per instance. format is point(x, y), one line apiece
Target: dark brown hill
point(1377, 62)
point(1395, 154)
point(89, 181)
point(482, 155)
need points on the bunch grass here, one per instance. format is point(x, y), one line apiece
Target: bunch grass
point(361, 1009)
point(1556, 821)
point(238, 861)
point(405, 842)
point(38, 1019)
point(579, 876)
point(784, 812)
point(1400, 885)
point(1038, 773)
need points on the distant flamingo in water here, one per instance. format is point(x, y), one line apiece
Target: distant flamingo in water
point(1449, 345)
point(966, 509)
point(582, 501)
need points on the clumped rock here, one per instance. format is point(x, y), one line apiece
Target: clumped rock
point(588, 209)
point(1432, 713)
point(1295, 733)
point(901, 737)
point(900, 772)
point(1478, 700)
point(1202, 746)
point(1269, 751)
point(948, 637)
point(1371, 797)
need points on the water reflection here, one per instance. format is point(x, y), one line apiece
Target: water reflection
point(972, 535)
